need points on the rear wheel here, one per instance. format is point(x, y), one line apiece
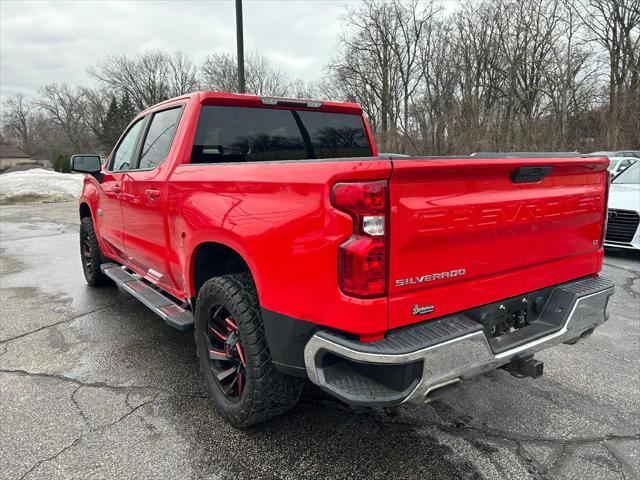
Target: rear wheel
point(226, 355)
point(91, 255)
point(234, 355)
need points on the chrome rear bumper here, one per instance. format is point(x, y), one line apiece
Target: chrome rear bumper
point(409, 365)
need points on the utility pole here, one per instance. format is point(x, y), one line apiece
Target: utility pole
point(240, 45)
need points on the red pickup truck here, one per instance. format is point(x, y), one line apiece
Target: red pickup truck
point(274, 228)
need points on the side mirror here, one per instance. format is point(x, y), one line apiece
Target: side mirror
point(86, 164)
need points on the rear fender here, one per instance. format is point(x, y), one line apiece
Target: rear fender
point(225, 239)
point(278, 217)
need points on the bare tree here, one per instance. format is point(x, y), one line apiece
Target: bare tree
point(143, 78)
point(66, 107)
point(148, 78)
point(307, 90)
point(183, 74)
point(366, 66)
point(526, 44)
point(415, 24)
point(96, 106)
point(263, 78)
point(572, 80)
point(219, 72)
point(480, 71)
point(493, 75)
point(615, 26)
point(381, 64)
point(19, 122)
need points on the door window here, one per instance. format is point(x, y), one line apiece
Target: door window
point(159, 137)
point(125, 152)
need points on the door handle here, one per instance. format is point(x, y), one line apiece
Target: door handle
point(117, 189)
point(152, 193)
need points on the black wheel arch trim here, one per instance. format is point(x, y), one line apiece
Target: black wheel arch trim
point(287, 337)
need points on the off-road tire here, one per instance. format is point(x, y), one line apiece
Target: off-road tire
point(91, 264)
point(267, 392)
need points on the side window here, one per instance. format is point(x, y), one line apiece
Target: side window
point(123, 156)
point(159, 137)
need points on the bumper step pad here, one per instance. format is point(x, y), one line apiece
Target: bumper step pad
point(170, 311)
point(417, 337)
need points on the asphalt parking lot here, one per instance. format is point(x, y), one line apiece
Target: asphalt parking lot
point(93, 385)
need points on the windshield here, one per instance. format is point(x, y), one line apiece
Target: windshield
point(631, 176)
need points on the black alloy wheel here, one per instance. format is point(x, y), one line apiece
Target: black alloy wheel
point(234, 355)
point(226, 355)
point(91, 256)
point(87, 255)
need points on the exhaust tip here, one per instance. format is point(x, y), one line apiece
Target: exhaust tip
point(442, 390)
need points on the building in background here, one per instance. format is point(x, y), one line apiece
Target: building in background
point(11, 156)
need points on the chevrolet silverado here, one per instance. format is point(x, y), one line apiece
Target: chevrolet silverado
point(274, 229)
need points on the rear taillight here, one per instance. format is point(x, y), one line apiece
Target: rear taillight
point(362, 259)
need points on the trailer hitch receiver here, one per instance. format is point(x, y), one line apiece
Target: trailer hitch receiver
point(525, 367)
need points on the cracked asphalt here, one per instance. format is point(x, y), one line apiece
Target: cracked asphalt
point(93, 385)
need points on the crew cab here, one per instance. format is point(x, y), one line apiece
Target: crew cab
point(274, 229)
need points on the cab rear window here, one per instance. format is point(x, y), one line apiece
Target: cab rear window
point(241, 134)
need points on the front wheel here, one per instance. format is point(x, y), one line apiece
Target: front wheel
point(234, 355)
point(91, 255)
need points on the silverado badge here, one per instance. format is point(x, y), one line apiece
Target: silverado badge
point(404, 282)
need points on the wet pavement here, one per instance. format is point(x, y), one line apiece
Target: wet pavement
point(93, 385)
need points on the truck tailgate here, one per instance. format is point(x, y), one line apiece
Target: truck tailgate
point(465, 232)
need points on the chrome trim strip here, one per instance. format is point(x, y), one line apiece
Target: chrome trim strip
point(628, 246)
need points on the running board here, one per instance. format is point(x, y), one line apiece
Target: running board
point(171, 312)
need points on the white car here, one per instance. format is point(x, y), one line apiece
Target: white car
point(624, 210)
point(619, 164)
point(618, 153)
point(620, 160)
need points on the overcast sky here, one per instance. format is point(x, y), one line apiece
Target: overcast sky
point(54, 41)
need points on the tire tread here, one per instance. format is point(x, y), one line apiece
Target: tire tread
point(268, 393)
point(97, 277)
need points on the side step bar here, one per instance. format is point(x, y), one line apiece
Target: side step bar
point(170, 311)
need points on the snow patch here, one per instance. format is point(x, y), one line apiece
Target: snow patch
point(39, 185)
